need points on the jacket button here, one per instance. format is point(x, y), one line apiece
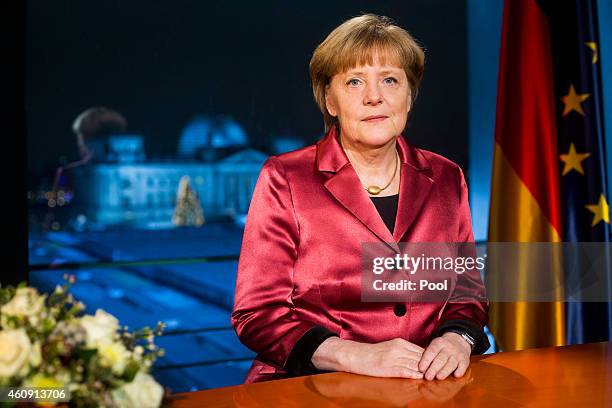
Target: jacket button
point(399, 310)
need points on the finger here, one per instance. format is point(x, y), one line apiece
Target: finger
point(429, 355)
point(414, 347)
point(436, 366)
point(411, 363)
point(411, 346)
point(448, 368)
point(413, 352)
point(411, 355)
point(462, 367)
point(405, 372)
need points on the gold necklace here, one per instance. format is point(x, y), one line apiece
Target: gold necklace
point(375, 190)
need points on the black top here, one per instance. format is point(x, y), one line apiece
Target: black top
point(387, 208)
point(299, 361)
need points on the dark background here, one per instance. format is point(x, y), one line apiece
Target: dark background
point(14, 252)
point(161, 62)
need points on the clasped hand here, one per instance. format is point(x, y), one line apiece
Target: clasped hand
point(445, 355)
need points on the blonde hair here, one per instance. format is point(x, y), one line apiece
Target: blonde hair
point(354, 43)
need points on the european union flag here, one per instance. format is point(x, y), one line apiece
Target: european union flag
point(581, 144)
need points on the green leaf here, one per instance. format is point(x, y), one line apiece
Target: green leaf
point(131, 370)
point(86, 354)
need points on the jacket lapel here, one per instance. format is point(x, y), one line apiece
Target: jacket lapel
point(345, 186)
point(415, 187)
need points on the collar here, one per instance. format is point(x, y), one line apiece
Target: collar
point(331, 156)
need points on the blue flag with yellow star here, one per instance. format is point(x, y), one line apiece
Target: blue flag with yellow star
point(581, 144)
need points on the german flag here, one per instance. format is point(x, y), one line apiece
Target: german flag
point(549, 179)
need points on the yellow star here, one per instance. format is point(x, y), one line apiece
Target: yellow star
point(601, 211)
point(573, 100)
point(593, 46)
point(573, 160)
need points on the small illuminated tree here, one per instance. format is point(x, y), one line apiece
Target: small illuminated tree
point(188, 211)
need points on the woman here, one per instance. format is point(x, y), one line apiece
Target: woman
point(298, 302)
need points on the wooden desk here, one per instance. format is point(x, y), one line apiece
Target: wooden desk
point(571, 376)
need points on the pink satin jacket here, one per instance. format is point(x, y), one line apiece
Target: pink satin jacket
point(299, 265)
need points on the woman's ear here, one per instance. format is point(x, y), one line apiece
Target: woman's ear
point(329, 103)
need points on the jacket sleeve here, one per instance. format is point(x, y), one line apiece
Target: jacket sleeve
point(264, 316)
point(468, 306)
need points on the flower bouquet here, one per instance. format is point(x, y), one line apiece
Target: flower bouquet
point(46, 342)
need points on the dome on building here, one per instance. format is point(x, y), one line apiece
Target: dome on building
point(205, 133)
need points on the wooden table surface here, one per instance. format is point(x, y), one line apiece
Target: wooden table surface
point(570, 376)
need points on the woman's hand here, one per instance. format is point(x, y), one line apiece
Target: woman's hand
point(392, 358)
point(445, 355)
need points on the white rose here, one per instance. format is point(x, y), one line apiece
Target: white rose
point(143, 392)
point(114, 355)
point(26, 303)
point(15, 350)
point(100, 328)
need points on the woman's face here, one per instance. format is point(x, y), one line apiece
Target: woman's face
point(371, 103)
